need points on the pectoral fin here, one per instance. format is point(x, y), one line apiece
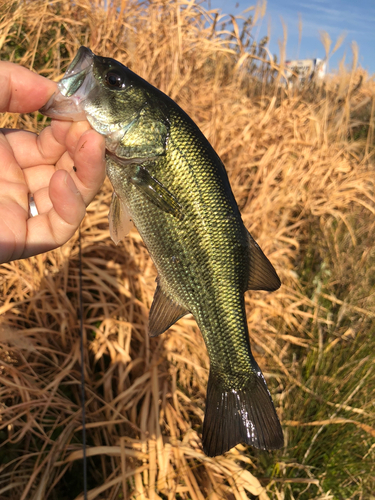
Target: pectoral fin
point(156, 192)
point(262, 273)
point(120, 223)
point(164, 313)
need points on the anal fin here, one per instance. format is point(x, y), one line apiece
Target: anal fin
point(164, 312)
point(262, 273)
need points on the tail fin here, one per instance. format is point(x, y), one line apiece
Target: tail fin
point(244, 415)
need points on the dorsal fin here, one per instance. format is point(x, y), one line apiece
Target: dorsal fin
point(262, 273)
point(164, 312)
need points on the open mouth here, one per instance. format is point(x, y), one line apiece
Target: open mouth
point(75, 75)
point(74, 88)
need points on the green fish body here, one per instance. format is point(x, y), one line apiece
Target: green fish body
point(169, 181)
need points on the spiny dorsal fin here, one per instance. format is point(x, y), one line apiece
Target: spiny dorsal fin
point(164, 312)
point(262, 273)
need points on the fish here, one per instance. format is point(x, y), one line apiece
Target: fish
point(170, 183)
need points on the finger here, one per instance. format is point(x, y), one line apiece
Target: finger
point(23, 91)
point(49, 148)
point(50, 230)
point(88, 151)
point(69, 137)
point(67, 202)
point(89, 163)
point(42, 200)
point(60, 129)
point(12, 229)
point(30, 149)
point(73, 134)
point(38, 178)
point(10, 170)
point(38, 155)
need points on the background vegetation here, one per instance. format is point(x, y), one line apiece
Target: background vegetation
point(301, 163)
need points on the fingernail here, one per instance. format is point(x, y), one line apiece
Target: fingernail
point(70, 183)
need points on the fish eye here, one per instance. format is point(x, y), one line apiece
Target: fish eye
point(114, 80)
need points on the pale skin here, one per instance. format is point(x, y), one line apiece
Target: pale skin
point(43, 166)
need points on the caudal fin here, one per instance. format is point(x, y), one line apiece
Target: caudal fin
point(244, 415)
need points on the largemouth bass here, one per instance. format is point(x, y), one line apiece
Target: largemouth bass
point(169, 181)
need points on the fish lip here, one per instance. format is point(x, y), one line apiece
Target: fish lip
point(82, 60)
point(77, 72)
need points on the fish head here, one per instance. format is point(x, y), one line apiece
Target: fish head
point(100, 90)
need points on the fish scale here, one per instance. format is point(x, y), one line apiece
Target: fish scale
point(171, 183)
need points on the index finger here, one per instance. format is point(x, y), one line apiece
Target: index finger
point(23, 91)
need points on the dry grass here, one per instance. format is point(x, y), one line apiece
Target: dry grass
point(302, 170)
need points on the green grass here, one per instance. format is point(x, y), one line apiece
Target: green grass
point(339, 368)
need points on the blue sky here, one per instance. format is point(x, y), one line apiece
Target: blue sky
point(354, 18)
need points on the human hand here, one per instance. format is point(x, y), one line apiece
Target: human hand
point(43, 166)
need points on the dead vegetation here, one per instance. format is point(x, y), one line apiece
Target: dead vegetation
point(302, 170)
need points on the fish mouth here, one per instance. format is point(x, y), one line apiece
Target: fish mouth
point(75, 75)
point(74, 88)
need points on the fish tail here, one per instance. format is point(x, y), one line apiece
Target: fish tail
point(243, 413)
